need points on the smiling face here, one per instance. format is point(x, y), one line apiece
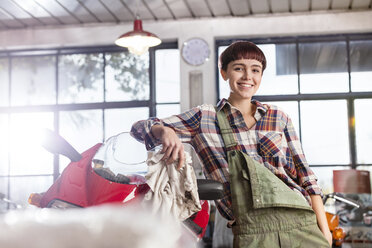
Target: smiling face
point(244, 77)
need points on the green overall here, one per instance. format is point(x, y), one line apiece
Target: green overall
point(267, 212)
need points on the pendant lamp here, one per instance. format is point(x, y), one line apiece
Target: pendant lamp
point(138, 41)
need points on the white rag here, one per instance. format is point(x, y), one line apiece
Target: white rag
point(172, 192)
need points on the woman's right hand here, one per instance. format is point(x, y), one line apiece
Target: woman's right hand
point(172, 145)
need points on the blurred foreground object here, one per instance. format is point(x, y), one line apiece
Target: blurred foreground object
point(105, 226)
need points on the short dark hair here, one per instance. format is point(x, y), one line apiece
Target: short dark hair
point(242, 50)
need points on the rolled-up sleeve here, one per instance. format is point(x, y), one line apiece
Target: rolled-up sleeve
point(141, 131)
point(185, 125)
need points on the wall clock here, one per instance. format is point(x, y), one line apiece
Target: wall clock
point(195, 51)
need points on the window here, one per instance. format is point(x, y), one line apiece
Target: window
point(325, 133)
point(323, 67)
point(127, 77)
point(281, 77)
point(168, 80)
point(85, 94)
point(4, 77)
point(325, 85)
point(80, 78)
point(26, 157)
point(361, 65)
point(33, 80)
point(363, 130)
point(4, 151)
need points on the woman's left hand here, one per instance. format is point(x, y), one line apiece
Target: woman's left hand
point(327, 234)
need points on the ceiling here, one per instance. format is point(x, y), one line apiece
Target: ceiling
point(15, 14)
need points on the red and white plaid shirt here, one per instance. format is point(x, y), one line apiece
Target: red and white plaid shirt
point(272, 141)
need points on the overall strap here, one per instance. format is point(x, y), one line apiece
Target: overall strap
point(226, 130)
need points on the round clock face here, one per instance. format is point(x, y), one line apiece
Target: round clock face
point(195, 51)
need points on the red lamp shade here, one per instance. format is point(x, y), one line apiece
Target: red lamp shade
point(138, 41)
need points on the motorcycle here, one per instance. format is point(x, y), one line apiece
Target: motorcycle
point(351, 212)
point(97, 176)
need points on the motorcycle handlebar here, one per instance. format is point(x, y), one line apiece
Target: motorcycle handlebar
point(341, 198)
point(209, 189)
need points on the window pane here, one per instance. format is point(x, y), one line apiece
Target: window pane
point(323, 67)
point(4, 185)
point(4, 82)
point(22, 187)
point(121, 120)
point(82, 129)
point(127, 77)
point(361, 65)
point(363, 130)
point(33, 80)
point(280, 75)
point(167, 75)
point(3, 190)
point(290, 108)
point(325, 132)
point(224, 89)
point(325, 176)
point(166, 110)
point(27, 156)
point(4, 147)
point(80, 78)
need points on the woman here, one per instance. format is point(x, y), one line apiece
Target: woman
point(253, 149)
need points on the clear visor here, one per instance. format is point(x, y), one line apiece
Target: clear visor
point(123, 159)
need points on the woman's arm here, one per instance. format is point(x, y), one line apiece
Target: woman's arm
point(318, 207)
point(307, 179)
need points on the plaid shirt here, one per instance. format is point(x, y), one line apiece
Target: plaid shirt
point(272, 141)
